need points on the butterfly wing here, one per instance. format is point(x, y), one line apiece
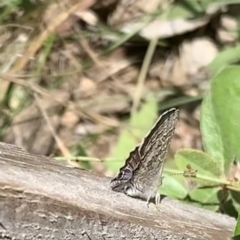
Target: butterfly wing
point(153, 153)
point(120, 182)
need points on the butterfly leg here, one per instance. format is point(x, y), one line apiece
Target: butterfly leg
point(148, 200)
point(158, 201)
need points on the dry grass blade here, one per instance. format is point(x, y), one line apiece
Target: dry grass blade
point(143, 73)
point(59, 142)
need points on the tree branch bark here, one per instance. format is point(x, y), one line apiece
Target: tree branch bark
point(43, 199)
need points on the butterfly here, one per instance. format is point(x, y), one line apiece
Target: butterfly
point(141, 176)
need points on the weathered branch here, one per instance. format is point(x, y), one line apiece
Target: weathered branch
point(42, 199)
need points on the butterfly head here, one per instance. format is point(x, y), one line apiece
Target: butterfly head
point(119, 183)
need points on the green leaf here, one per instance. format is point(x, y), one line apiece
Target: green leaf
point(225, 92)
point(140, 123)
point(172, 188)
point(207, 168)
point(235, 207)
point(237, 227)
point(206, 195)
point(211, 134)
point(236, 197)
point(188, 9)
point(227, 56)
point(199, 161)
point(211, 207)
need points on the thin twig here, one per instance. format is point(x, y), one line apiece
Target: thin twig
point(143, 73)
point(59, 142)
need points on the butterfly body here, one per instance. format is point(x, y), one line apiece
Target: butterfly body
point(141, 176)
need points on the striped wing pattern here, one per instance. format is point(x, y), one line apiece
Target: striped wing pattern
point(141, 175)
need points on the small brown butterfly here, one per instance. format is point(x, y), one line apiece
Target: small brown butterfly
point(141, 175)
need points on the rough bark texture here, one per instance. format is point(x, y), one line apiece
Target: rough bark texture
point(42, 199)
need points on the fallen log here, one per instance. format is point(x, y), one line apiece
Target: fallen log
point(43, 199)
